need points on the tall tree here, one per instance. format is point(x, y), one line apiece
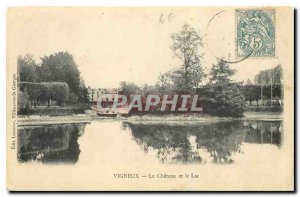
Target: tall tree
point(61, 67)
point(224, 97)
point(221, 72)
point(278, 75)
point(186, 45)
point(27, 69)
point(83, 97)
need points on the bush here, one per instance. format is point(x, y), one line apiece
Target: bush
point(223, 99)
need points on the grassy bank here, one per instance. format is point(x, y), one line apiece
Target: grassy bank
point(55, 110)
point(170, 118)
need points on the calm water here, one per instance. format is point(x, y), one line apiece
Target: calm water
point(166, 143)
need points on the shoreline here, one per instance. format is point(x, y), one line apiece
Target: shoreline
point(179, 118)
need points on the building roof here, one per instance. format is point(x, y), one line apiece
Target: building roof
point(103, 90)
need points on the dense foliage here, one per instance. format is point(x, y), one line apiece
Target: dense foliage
point(46, 91)
point(58, 67)
point(223, 99)
point(222, 96)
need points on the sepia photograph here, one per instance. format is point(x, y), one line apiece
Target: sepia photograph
point(150, 99)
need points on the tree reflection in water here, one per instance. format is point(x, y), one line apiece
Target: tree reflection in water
point(55, 143)
point(189, 143)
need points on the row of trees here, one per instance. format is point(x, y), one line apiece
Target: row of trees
point(254, 92)
point(45, 91)
point(267, 86)
point(59, 67)
point(272, 76)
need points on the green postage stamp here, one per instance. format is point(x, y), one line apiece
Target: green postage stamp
point(255, 33)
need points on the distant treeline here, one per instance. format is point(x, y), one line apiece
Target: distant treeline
point(267, 86)
point(253, 92)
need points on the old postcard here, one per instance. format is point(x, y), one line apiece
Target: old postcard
point(150, 99)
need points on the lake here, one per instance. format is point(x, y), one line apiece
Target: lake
point(161, 143)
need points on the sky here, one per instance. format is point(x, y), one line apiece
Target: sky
point(111, 45)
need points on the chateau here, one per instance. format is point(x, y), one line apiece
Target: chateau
point(107, 94)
